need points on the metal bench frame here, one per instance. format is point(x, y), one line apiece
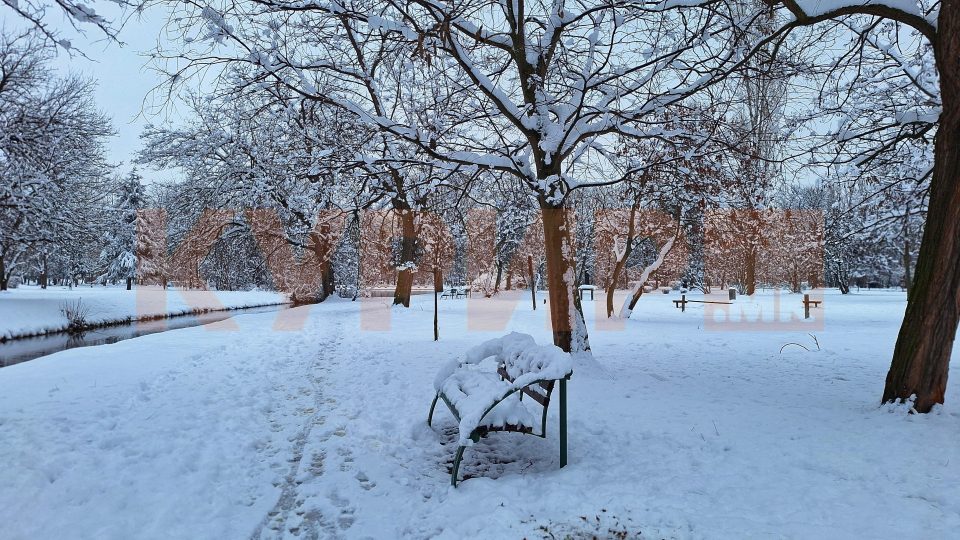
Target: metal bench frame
point(547, 385)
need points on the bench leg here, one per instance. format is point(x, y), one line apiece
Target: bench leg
point(432, 407)
point(456, 465)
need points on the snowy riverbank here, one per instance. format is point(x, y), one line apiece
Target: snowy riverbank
point(320, 431)
point(31, 311)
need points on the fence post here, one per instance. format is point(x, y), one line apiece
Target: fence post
point(806, 306)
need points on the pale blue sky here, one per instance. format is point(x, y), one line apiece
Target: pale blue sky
point(122, 74)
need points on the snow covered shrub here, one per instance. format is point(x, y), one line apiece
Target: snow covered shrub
point(14, 282)
point(76, 313)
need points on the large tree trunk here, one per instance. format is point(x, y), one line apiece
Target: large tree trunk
point(566, 315)
point(408, 243)
point(922, 355)
point(906, 266)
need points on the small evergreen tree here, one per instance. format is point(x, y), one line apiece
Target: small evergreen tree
point(119, 256)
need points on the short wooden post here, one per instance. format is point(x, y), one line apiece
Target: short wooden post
point(806, 306)
point(533, 285)
point(683, 303)
point(563, 423)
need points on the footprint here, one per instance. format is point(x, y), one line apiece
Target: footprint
point(365, 481)
point(316, 463)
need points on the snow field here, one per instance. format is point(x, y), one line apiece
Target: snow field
point(680, 433)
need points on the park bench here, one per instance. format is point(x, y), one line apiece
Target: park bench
point(484, 401)
point(682, 303)
point(587, 288)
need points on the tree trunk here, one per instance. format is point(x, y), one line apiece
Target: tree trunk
point(906, 266)
point(129, 283)
point(621, 263)
point(614, 278)
point(566, 315)
point(408, 243)
point(922, 355)
point(3, 275)
point(750, 280)
point(321, 245)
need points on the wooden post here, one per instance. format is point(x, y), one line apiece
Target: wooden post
point(806, 306)
point(533, 285)
point(563, 423)
point(437, 287)
point(683, 303)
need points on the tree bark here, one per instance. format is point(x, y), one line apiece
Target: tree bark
point(129, 283)
point(750, 280)
point(621, 263)
point(3, 275)
point(566, 315)
point(906, 266)
point(921, 357)
point(408, 241)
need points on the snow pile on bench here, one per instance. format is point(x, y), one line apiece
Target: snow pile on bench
point(473, 392)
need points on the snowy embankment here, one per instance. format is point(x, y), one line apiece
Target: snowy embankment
point(31, 311)
point(320, 431)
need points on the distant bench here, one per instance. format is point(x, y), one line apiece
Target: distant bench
point(682, 302)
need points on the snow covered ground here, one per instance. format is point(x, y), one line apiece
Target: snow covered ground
point(687, 430)
point(30, 310)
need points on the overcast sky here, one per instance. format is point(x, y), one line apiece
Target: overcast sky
point(122, 75)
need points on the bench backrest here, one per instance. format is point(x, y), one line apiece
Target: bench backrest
point(540, 392)
point(535, 367)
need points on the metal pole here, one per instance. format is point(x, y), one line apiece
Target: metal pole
point(533, 284)
point(437, 287)
point(563, 423)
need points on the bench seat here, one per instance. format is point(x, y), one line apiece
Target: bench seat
point(470, 394)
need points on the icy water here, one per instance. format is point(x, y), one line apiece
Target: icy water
point(22, 350)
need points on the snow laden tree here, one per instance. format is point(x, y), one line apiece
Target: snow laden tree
point(534, 90)
point(79, 14)
point(265, 158)
point(52, 165)
point(924, 39)
point(119, 256)
point(666, 185)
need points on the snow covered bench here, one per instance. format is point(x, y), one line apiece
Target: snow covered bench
point(487, 401)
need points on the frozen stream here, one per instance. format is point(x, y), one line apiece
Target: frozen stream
point(22, 350)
